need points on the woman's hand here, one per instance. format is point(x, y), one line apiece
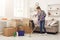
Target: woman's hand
point(34, 15)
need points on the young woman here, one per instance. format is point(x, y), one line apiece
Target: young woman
point(41, 19)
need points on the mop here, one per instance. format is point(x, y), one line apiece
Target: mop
point(36, 25)
point(33, 30)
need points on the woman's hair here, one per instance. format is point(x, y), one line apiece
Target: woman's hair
point(38, 7)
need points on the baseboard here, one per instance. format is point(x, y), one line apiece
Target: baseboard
point(47, 32)
point(52, 32)
point(36, 32)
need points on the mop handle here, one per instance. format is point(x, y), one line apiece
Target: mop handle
point(33, 29)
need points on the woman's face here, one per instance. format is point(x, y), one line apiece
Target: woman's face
point(38, 10)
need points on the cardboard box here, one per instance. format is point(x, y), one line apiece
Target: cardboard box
point(20, 28)
point(15, 23)
point(25, 25)
point(8, 31)
point(18, 22)
point(15, 29)
point(2, 25)
point(11, 23)
point(26, 22)
point(27, 29)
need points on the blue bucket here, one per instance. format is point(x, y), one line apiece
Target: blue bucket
point(21, 33)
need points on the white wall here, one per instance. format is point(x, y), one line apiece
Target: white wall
point(9, 10)
point(2, 8)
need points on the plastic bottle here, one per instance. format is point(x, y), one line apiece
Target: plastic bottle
point(15, 34)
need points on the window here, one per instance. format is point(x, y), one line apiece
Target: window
point(21, 8)
point(18, 8)
point(2, 8)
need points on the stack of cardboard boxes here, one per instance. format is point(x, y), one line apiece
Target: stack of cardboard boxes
point(16, 25)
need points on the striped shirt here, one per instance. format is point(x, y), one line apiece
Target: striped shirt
point(41, 15)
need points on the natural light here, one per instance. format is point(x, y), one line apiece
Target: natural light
point(2, 8)
point(20, 8)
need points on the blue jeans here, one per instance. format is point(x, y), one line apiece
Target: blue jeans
point(42, 26)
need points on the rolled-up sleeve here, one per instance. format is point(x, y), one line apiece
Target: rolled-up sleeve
point(44, 14)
